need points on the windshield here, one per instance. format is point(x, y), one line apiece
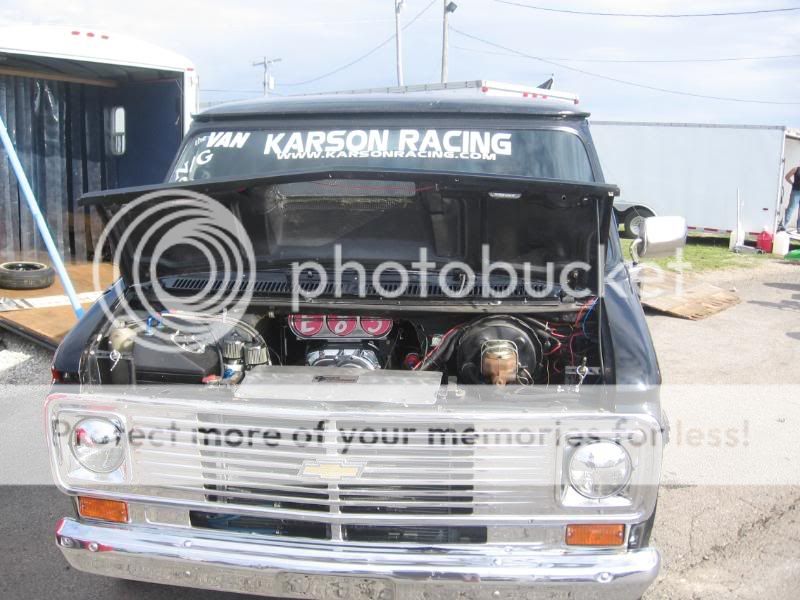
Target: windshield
point(539, 154)
point(428, 220)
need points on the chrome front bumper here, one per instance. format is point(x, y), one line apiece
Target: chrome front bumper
point(330, 570)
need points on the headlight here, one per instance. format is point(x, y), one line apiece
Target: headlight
point(599, 469)
point(98, 445)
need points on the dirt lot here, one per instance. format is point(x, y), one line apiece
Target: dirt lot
point(717, 542)
point(732, 542)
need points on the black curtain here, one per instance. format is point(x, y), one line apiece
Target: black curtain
point(58, 131)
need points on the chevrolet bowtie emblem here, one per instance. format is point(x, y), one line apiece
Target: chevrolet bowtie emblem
point(330, 471)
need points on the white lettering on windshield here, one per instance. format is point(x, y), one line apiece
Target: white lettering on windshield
point(374, 143)
point(227, 139)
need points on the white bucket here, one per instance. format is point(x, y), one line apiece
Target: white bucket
point(780, 245)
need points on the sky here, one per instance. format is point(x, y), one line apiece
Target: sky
point(315, 37)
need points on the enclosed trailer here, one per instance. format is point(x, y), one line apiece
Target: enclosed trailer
point(699, 172)
point(86, 110)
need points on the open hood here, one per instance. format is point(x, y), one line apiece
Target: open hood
point(371, 217)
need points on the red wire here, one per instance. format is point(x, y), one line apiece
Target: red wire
point(435, 348)
point(580, 314)
point(553, 350)
point(585, 306)
point(571, 351)
point(553, 332)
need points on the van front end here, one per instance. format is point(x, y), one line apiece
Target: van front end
point(469, 496)
point(366, 346)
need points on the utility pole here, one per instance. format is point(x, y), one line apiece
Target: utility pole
point(398, 6)
point(449, 7)
point(268, 82)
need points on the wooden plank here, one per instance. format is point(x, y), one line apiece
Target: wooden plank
point(686, 297)
point(697, 306)
point(57, 77)
point(49, 325)
point(82, 279)
point(8, 304)
point(46, 325)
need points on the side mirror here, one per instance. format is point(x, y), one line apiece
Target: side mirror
point(659, 236)
point(116, 131)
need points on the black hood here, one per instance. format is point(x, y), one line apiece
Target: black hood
point(371, 216)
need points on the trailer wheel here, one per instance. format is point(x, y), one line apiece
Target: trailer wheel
point(23, 275)
point(634, 219)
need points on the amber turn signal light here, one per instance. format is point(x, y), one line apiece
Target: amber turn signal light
point(105, 510)
point(595, 535)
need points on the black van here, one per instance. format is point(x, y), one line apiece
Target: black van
point(367, 346)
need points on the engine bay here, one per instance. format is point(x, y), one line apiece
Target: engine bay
point(498, 349)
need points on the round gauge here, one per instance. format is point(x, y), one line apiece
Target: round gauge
point(342, 326)
point(376, 327)
point(306, 325)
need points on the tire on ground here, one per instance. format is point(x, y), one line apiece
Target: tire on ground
point(25, 275)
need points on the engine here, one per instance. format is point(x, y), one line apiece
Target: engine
point(335, 355)
point(501, 350)
point(336, 341)
point(494, 350)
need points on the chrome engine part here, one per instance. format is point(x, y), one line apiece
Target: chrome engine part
point(499, 350)
point(348, 357)
point(255, 353)
point(499, 361)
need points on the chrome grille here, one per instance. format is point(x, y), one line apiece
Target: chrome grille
point(426, 477)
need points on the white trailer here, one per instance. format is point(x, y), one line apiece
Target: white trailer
point(85, 109)
point(698, 171)
point(96, 58)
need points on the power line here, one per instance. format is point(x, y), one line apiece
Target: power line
point(651, 15)
point(328, 23)
point(615, 79)
point(636, 61)
point(224, 90)
point(363, 56)
point(232, 91)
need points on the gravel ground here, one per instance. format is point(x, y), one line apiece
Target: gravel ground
point(22, 362)
point(717, 542)
point(732, 542)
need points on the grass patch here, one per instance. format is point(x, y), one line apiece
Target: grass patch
point(705, 253)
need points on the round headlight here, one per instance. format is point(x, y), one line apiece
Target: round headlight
point(599, 469)
point(97, 445)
